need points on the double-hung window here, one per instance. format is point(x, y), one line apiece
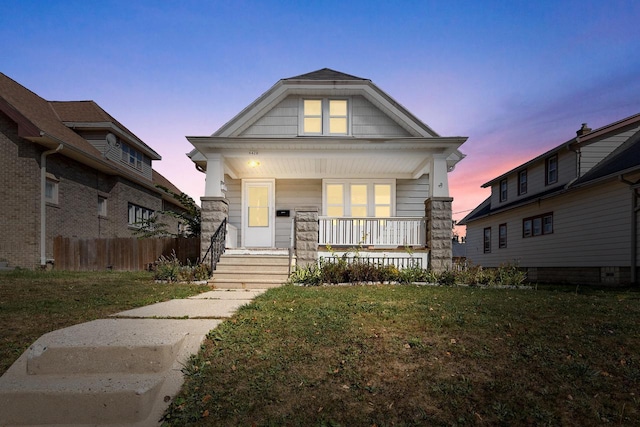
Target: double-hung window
point(551, 169)
point(325, 116)
point(359, 198)
point(502, 236)
point(51, 189)
point(487, 240)
point(522, 182)
point(503, 190)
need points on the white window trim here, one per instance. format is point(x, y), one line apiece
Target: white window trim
point(346, 194)
point(51, 179)
point(103, 212)
point(325, 116)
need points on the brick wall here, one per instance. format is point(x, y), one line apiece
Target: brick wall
point(75, 214)
point(19, 198)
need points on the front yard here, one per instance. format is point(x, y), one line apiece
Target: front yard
point(33, 303)
point(419, 356)
point(374, 355)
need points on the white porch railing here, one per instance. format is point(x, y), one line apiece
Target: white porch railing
point(383, 232)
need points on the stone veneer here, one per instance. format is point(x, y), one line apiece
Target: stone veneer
point(213, 210)
point(439, 216)
point(306, 235)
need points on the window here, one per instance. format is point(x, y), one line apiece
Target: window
point(487, 240)
point(51, 190)
point(325, 117)
point(137, 214)
point(359, 198)
point(503, 190)
point(537, 225)
point(131, 156)
point(102, 206)
point(522, 182)
point(552, 170)
point(502, 236)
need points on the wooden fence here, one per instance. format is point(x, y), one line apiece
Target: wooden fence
point(119, 253)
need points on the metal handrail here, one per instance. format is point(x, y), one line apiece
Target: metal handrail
point(217, 245)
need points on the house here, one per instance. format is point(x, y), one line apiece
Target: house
point(325, 162)
point(69, 169)
point(568, 215)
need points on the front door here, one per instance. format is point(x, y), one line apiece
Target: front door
point(257, 213)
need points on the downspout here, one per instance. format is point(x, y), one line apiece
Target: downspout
point(43, 205)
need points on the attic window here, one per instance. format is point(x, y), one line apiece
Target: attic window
point(131, 156)
point(325, 117)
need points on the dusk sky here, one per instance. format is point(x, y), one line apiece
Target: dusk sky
point(516, 77)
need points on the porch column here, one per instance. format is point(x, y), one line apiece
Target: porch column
point(439, 225)
point(438, 178)
point(213, 211)
point(306, 236)
point(214, 182)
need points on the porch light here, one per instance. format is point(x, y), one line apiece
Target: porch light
point(253, 163)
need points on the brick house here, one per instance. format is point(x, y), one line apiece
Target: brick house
point(69, 169)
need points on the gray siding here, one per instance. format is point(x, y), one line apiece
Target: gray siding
point(282, 120)
point(536, 179)
point(410, 196)
point(234, 196)
point(366, 120)
point(591, 229)
point(592, 154)
point(291, 194)
point(369, 121)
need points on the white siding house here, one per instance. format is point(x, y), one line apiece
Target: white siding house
point(337, 153)
point(574, 218)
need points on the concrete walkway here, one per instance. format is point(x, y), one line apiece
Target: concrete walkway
point(121, 371)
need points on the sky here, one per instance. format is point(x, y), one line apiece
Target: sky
point(516, 77)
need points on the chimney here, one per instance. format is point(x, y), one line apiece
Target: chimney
point(583, 130)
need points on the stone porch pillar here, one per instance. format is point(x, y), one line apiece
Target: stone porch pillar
point(213, 211)
point(439, 224)
point(306, 236)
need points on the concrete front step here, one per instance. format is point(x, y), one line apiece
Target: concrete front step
point(136, 364)
point(75, 399)
point(104, 346)
point(250, 271)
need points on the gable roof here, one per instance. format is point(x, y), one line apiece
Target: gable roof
point(573, 142)
point(43, 122)
point(318, 83)
point(325, 74)
point(89, 115)
point(624, 159)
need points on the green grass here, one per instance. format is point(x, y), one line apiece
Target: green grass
point(419, 356)
point(33, 303)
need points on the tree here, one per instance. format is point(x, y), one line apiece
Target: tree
point(190, 217)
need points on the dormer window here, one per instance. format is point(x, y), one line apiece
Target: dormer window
point(503, 190)
point(325, 117)
point(551, 170)
point(131, 156)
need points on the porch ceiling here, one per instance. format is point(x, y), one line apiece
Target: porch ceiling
point(402, 158)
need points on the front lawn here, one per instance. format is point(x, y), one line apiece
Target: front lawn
point(33, 302)
point(419, 355)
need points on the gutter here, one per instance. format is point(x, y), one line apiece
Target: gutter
point(43, 204)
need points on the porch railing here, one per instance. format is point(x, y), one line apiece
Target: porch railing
point(389, 232)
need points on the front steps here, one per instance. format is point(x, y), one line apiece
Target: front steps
point(251, 270)
point(111, 372)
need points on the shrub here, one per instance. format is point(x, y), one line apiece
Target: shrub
point(309, 275)
point(171, 270)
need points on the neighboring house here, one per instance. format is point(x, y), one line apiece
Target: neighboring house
point(568, 215)
point(328, 161)
point(69, 169)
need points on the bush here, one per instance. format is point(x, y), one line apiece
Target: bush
point(171, 270)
